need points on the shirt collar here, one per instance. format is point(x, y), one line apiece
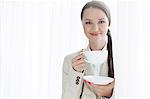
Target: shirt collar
point(105, 47)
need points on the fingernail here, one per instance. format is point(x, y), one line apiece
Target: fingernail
point(85, 81)
point(89, 82)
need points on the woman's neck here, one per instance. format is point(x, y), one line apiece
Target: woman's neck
point(97, 45)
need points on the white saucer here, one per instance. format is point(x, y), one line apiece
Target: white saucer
point(101, 80)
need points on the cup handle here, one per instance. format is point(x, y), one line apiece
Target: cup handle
point(85, 56)
point(86, 60)
point(82, 52)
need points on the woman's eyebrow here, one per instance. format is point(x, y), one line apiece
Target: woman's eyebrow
point(101, 19)
point(87, 19)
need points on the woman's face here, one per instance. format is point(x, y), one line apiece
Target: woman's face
point(95, 24)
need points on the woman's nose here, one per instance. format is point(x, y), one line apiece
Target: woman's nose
point(95, 28)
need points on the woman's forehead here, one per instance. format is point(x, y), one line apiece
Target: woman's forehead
point(94, 13)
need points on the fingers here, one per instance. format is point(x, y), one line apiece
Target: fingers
point(102, 90)
point(99, 90)
point(78, 62)
point(94, 88)
point(88, 85)
point(100, 87)
point(112, 84)
point(79, 67)
point(78, 57)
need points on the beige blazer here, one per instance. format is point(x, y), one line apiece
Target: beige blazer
point(72, 81)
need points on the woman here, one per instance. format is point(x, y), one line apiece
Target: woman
point(96, 19)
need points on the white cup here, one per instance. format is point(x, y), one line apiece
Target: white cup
point(96, 57)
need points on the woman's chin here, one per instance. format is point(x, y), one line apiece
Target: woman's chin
point(96, 37)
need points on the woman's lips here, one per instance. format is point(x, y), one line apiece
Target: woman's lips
point(95, 34)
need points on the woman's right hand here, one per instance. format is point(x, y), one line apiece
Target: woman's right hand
point(78, 62)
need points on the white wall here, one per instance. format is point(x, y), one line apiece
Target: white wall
point(35, 36)
point(130, 59)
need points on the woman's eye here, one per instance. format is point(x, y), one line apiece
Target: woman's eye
point(88, 22)
point(101, 22)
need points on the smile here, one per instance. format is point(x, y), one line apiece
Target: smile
point(95, 34)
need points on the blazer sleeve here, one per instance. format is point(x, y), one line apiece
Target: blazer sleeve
point(71, 81)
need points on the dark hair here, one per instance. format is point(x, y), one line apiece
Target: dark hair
point(100, 5)
point(110, 56)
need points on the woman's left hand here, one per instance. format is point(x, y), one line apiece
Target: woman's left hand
point(102, 90)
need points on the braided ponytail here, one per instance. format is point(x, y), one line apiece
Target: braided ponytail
point(110, 56)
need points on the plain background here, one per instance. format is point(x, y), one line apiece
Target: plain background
point(36, 35)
